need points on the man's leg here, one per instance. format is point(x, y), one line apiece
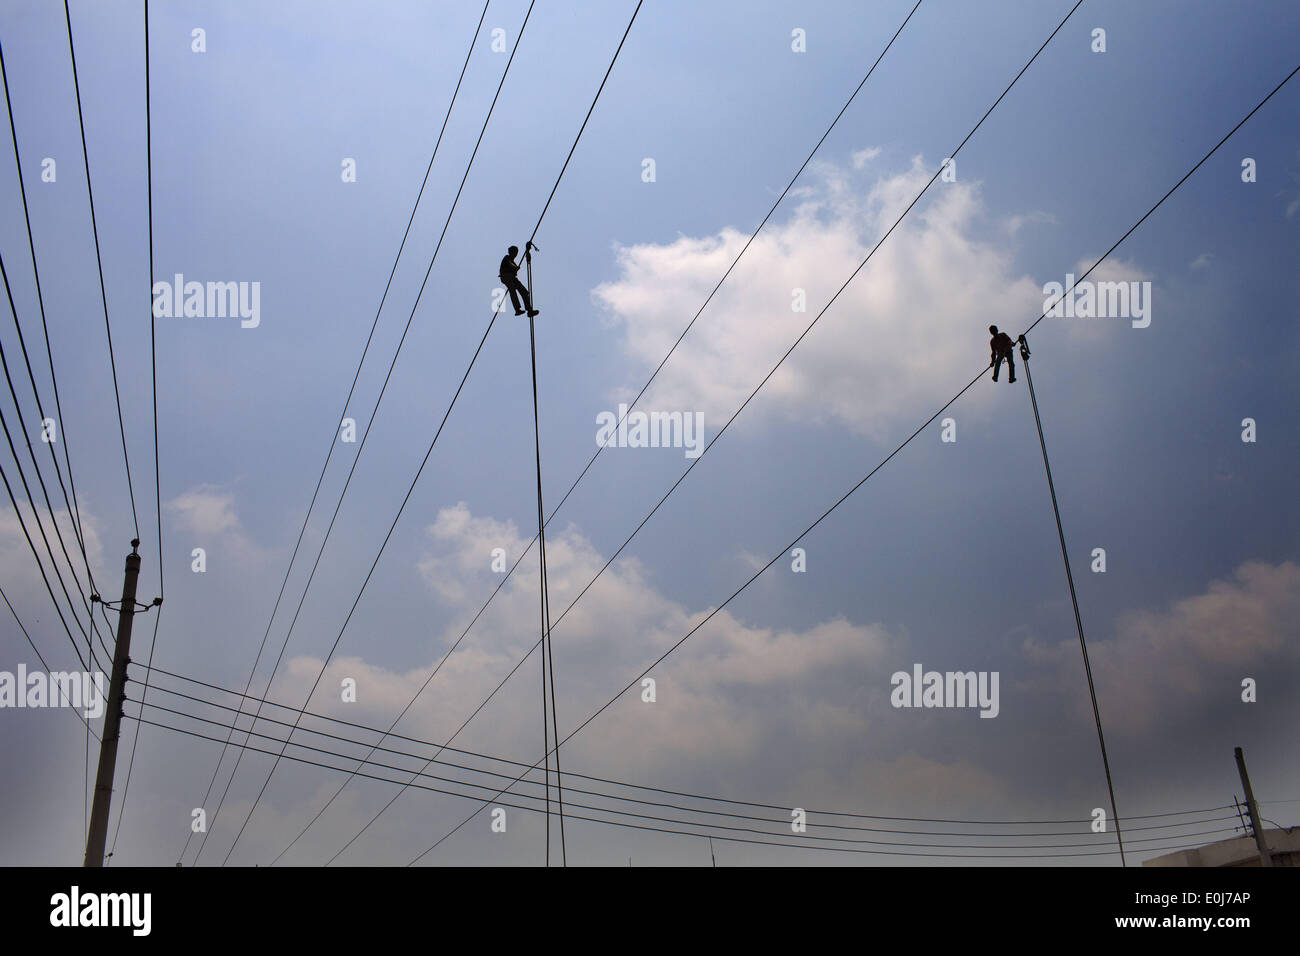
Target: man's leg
point(512, 285)
point(1011, 368)
point(522, 290)
point(528, 299)
point(997, 364)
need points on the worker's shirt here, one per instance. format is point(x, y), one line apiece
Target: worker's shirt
point(508, 269)
point(1001, 344)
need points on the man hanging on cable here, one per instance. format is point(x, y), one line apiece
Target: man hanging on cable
point(1001, 348)
point(509, 274)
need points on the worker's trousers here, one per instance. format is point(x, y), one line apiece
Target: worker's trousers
point(997, 364)
point(517, 289)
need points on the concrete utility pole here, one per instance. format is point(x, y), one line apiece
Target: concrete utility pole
point(113, 715)
point(1265, 858)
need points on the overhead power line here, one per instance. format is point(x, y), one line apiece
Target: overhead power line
point(734, 262)
point(424, 462)
point(622, 783)
point(581, 129)
point(157, 471)
point(1047, 311)
point(40, 566)
point(1082, 826)
point(542, 520)
point(469, 166)
point(537, 536)
point(797, 341)
point(103, 294)
point(74, 510)
point(40, 479)
point(721, 831)
point(351, 391)
point(40, 657)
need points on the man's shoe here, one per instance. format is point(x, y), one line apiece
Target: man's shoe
point(519, 311)
point(533, 313)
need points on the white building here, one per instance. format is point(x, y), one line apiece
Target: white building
point(1283, 845)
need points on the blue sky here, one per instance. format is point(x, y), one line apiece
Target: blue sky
point(948, 557)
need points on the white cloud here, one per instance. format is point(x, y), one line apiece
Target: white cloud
point(909, 326)
point(479, 537)
point(1161, 664)
point(707, 688)
point(26, 591)
point(861, 157)
point(204, 510)
point(1015, 223)
point(16, 564)
point(736, 695)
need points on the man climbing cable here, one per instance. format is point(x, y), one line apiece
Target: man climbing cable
point(1001, 348)
point(509, 274)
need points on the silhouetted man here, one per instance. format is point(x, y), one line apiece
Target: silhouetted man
point(509, 274)
point(1001, 348)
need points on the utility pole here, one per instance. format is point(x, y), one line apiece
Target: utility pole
point(113, 715)
point(1074, 597)
point(1265, 858)
point(1241, 817)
